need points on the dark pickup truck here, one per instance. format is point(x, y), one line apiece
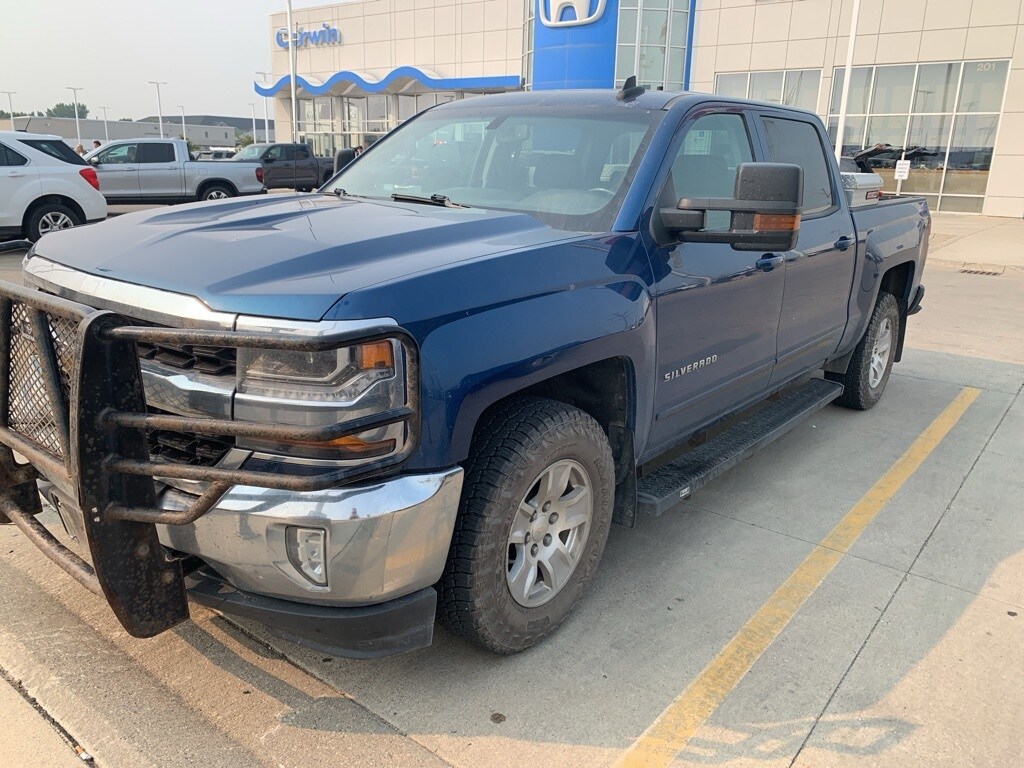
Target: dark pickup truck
point(431, 388)
point(288, 166)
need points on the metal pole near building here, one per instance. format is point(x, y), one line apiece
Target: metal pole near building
point(252, 110)
point(265, 77)
point(847, 71)
point(291, 71)
point(106, 133)
point(10, 105)
point(78, 127)
point(159, 106)
point(184, 133)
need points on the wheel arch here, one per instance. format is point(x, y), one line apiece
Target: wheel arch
point(207, 183)
point(55, 199)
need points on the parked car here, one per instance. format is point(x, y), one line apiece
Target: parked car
point(216, 154)
point(44, 186)
point(289, 166)
point(431, 390)
point(163, 171)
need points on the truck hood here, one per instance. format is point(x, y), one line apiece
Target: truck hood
point(287, 256)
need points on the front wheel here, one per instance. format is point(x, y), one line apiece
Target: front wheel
point(534, 518)
point(869, 368)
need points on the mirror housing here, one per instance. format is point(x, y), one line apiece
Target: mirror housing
point(269, 159)
point(94, 161)
point(765, 210)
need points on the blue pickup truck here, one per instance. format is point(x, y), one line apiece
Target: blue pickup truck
point(429, 389)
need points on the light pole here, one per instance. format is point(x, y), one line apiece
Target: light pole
point(159, 106)
point(106, 133)
point(265, 76)
point(291, 70)
point(847, 72)
point(10, 106)
point(252, 110)
point(78, 127)
point(184, 134)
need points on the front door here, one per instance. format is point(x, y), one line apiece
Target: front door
point(118, 170)
point(819, 271)
point(717, 308)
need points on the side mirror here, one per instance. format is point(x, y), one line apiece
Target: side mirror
point(269, 159)
point(765, 210)
point(94, 161)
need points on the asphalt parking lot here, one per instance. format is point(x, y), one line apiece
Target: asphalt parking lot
point(854, 595)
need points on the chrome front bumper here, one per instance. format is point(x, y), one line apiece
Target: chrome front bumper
point(385, 539)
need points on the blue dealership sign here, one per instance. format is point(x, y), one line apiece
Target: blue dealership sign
point(574, 43)
point(326, 35)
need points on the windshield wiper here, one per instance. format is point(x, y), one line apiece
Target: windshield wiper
point(436, 199)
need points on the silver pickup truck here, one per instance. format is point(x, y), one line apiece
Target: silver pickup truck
point(163, 171)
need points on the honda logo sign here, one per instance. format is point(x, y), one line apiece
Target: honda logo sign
point(587, 12)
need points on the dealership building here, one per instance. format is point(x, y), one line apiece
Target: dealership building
point(944, 76)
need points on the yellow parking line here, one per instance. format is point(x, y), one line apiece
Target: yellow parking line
point(668, 735)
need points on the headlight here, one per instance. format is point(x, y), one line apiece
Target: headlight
point(324, 388)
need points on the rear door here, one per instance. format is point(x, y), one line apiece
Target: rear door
point(118, 169)
point(819, 271)
point(717, 308)
point(160, 175)
point(19, 186)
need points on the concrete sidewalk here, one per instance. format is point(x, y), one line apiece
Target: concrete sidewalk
point(986, 240)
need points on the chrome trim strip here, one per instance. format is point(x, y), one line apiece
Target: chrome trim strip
point(136, 301)
point(187, 393)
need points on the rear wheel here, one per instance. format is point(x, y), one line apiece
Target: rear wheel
point(216, 192)
point(532, 525)
point(869, 368)
point(50, 217)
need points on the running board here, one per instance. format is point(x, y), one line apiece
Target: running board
point(661, 490)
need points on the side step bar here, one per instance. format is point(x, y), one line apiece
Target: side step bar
point(667, 486)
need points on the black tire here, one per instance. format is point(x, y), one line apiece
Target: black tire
point(514, 445)
point(45, 218)
point(858, 393)
point(216, 192)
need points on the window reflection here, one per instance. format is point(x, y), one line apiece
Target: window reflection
point(970, 154)
point(766, 86)
point(930, 133)
point(860, 90)
point(982, 86)
point(892, 89)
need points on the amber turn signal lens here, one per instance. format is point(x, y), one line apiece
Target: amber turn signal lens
point(776, 222)
point(377, 354)
point(352, 447)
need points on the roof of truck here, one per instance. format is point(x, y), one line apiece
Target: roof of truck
point(605, 97)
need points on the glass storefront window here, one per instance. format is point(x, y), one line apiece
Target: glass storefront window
point(860, 90)
point(930, 133)
point(766, 86)
point(936, 87)
point(801, 88)
point(892, 91)
point(734, 85)
point(949, 114)
point(652, 43)
point(853, 133)
point(970, 154)
point(982, 87)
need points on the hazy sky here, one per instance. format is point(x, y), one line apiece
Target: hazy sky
point(205, 50)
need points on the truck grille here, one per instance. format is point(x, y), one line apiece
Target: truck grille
point(215, 361)
point(30, 412)
point(185, 447)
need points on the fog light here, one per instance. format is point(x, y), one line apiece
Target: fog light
point(307, 549)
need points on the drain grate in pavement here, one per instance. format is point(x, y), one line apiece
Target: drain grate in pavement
point(982, 269)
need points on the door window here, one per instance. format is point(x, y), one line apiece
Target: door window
point(55, 148)
point(302, 153)
point(276, 152)
point(9, 157)
point(156, 153)
point(797, 142)
point(122, 154)
point(705, 165)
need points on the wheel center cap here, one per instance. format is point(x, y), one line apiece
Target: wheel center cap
point(539, 528)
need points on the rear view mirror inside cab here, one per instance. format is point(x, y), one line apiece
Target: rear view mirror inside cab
point(765, 210)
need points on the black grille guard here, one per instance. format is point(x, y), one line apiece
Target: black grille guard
point(72, 404)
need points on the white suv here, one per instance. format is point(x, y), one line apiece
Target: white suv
point(45, 185)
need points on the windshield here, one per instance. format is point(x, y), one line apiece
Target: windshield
point(570, 167)
point(251, 152)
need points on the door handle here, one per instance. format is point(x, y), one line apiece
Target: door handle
point(843, 243)
point(769, 261)
point(15, 174)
